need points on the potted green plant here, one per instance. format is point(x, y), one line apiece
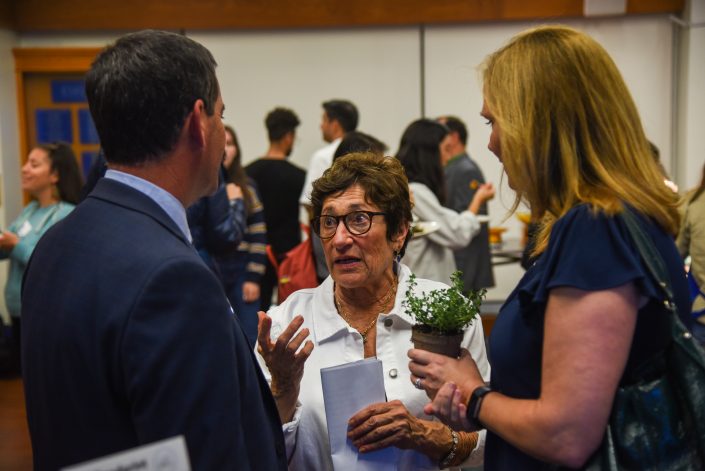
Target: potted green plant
point(442, 315)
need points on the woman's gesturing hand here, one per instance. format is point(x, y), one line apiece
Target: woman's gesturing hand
point(484, 193)
point(8, 240)
point(284, 360)
point(388, 424)
point(449, 407)
point(434, 370)
point(250, 291)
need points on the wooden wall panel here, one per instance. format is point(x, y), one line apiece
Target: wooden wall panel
point(85, 15)
point(7, 14)
point(67, 59)
point(651, 6)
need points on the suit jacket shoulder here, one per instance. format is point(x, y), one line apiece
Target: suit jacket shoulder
point(139, 344)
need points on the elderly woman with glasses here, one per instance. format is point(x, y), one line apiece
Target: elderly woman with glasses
point(362, 213)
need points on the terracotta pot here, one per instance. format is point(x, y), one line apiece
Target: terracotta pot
point(425, 339)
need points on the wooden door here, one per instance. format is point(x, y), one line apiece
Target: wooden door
point(52, 104)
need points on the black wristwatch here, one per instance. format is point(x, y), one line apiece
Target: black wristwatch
point(475, 404)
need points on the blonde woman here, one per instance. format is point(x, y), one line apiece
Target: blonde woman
point(587, 313)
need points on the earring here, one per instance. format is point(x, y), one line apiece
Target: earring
point(397, 256)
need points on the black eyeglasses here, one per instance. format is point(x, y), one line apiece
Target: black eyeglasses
point(356, 222)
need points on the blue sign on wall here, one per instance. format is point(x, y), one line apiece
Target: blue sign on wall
point(86, 128)
point(68, 91)
point(53, 125)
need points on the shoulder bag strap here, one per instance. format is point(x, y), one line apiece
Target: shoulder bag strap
point(651, 256)
point(272, 258)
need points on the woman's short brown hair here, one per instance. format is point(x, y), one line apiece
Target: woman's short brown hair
point(383, 180)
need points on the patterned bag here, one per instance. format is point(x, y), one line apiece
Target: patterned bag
point(658, 422)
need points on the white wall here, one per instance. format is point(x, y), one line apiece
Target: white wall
point(640, 46)
point(690, 117)
point(379, 70)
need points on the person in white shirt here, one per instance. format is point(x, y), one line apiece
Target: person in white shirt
point(362, 214)
point(339, 117)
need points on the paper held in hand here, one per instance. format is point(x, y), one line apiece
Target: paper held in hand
point(347, 389)
point(165, 454)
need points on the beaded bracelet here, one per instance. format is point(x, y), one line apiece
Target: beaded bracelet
point(445, 462)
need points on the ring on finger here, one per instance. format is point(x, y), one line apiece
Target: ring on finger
point(418, 384)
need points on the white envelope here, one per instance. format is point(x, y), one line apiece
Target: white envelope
point(347, 389)
point(169, 454)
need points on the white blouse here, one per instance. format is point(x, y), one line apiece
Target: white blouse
point(431, 256)
point(335, 343)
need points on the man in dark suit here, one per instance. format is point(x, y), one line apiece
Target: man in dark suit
point(463, 178)
point(129, 337)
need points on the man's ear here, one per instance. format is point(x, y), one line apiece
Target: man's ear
point(455, 137)
point(196, 123)
point(338, 126)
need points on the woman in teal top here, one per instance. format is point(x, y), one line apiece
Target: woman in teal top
point(52, 178)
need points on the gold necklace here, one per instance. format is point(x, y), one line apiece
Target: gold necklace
point(363, 333)
point(381, 303)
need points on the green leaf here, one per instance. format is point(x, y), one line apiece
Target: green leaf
point(447, 311)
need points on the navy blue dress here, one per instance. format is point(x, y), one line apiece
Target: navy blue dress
point(588, 251)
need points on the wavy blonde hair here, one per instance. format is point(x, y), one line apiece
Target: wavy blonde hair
point(570, 132)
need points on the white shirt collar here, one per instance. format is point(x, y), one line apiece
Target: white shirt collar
point(326, 320)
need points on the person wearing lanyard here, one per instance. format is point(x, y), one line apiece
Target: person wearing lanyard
point(52, 178)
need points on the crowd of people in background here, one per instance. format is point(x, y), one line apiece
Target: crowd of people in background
point(171, 223)
point(255, 206)
point(448, 189)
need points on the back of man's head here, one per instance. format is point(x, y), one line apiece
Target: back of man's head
point(456, 125)
point(357, 141)
point(342, 111)
point(279, 122)
point(141, 89)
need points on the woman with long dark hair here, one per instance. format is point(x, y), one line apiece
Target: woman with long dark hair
point(52, 178)
point(423, 153)
point(242, 270)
